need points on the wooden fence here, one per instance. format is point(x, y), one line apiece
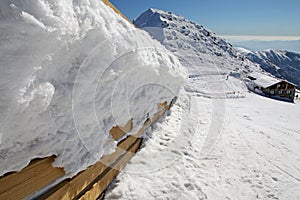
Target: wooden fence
point(40, 180)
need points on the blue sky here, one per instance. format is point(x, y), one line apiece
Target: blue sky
point(228, 17)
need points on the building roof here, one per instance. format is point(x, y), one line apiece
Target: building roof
point(263, 80)
point(266, 81)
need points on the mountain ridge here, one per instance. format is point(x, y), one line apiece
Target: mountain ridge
point(195, 46)
point(281, 63)
point(191, 42)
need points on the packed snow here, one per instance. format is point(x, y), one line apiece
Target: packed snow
point(220, 141)
point(254, 155)
point(70, 71)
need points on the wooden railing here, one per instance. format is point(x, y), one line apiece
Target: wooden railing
point(39, 180)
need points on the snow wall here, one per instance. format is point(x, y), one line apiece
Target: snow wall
point(70, 71)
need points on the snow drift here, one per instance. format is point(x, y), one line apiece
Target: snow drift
point(70, 70)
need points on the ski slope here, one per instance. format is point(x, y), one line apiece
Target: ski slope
point(220, 141)
point(242, 148)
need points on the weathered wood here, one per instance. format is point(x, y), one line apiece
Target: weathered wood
point(32, 178)
point(117, 132)
point(83, 179)
point(73, 187)
point(102, 183)
point(88, 184)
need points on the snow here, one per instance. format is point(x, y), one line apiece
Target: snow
point(220, 141)
point(242, 50)
point(253, 152)
point(70, 71)
point(264, 80)
point(199, 50)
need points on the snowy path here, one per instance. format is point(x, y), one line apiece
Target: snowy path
point(255, 157)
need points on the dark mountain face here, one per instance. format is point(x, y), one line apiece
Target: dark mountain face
point(283, 64)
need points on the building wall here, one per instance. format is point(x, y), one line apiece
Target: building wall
point(282, 89)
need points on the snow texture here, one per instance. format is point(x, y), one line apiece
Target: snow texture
point(252, 157)
point(200, 50)
point(220, 141)
point(70, 70)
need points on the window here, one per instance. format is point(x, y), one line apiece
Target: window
point(279, 91)
point(288, 92)
point(271, 91)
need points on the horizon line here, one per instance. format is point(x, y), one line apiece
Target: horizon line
point(261, 37)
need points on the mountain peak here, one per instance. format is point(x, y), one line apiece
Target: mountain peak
point(181, 35)
point(156, 18)
point(154, 10)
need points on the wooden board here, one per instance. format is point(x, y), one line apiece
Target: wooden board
point(90, 183)
point(117, 132)
point(75, 186)
point(37, 175)
point(100, 185)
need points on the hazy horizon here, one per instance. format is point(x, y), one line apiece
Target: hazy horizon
point(260, 43)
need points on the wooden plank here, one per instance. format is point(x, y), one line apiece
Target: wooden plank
point(37, 175)
point(40, 172)
point(118, 132)
point(102, 184)
point(82, 180)
point(73, 187)
point(9, 181)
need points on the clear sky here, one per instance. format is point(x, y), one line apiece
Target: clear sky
point(228, 17)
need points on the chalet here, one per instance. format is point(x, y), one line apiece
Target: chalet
point(272, 87)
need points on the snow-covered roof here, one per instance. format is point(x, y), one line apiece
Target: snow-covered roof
point(263, 80)
point(266, 81)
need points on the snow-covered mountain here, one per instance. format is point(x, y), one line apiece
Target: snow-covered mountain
point(205, 55)
point(282, 64)
point(233, 145)
point(192, 43)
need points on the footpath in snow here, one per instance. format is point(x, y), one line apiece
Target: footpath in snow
point(242, 148)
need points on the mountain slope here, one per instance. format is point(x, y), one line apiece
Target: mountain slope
point(210, 60)
point(211, 148)
point(283, 64)
point(192, 43)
